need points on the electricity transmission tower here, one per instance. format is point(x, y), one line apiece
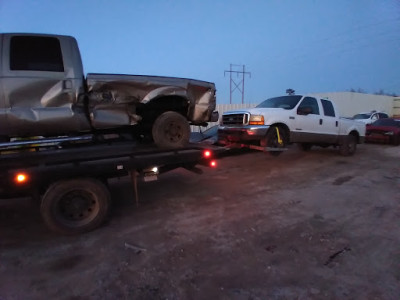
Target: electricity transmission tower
point(237, 84)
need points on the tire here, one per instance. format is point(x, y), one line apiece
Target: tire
point(75, 206)
point(171, 130)
point(396, 140)
point(304, 146)
point(272, 140)
point(348, 146)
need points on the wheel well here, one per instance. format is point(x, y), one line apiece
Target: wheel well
point(47, 181)
point(355, 133)
point(151, 110)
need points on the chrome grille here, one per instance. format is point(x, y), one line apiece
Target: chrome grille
point(235, 119)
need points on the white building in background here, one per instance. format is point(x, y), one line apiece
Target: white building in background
point(350, 103)
point(396, 107)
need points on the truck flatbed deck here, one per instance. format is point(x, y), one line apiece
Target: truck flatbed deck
point(71, 181)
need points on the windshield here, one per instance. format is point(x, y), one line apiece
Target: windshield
point(286, 102)
point(361, 116)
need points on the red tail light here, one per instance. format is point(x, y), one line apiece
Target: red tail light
point(213, 164)
point(207, 153)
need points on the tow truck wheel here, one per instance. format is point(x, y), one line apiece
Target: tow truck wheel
point(171, 130)
point(75, 206)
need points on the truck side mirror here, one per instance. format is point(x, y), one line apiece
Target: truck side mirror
point(304, 110)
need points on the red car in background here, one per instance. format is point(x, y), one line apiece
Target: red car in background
point(384, 131)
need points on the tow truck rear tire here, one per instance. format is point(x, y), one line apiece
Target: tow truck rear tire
point(75, 206)
point(171, 130)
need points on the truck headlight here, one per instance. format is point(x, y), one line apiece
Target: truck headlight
point(256, 120)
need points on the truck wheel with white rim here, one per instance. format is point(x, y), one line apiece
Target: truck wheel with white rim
point(75, 206)
point(171, 130)
point(348, 146)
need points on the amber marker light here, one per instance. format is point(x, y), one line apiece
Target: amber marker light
point(21, 178)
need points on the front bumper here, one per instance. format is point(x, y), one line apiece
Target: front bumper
point(242, 133)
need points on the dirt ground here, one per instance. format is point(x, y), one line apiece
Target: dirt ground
point(304, 225)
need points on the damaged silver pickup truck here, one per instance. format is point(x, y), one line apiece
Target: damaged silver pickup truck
point(44, 92)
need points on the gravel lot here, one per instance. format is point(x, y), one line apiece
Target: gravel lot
point(304, 225)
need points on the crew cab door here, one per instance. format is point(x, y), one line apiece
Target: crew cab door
point(40, 86)
point(307, 121)
point(330, 122)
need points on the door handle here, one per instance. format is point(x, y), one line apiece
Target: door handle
point(320, 121)
point(67, 84)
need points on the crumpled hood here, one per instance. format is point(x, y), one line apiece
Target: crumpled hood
point(141, 88)
point(115, 90)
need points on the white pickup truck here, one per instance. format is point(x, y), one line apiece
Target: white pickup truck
point(278, 121)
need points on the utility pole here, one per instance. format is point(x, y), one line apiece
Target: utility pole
point(235, 85)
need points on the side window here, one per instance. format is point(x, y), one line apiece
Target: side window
point(374, 117)
point(328, 108)
point(383, 115)
point(310, 104)
point(34, 53)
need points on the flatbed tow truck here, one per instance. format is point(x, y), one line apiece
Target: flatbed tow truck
point(70, 177)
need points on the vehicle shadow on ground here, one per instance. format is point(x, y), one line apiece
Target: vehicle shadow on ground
point(20, 222)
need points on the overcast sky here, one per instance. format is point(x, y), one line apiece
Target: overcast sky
point(308, 45)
